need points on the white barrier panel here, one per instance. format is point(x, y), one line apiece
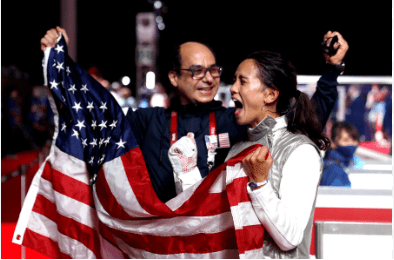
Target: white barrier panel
point(371, 179)
point(338, 197)
point(352, 240)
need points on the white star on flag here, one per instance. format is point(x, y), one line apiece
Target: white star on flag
point(120, 144)
point(63, 127)
point(80, 124)
point(101, 159)
point(94, 124)
point(59, 66)
point(91, 160)
point(75, 133)
point(72, 88)
point(68, 70)
point(94, 143)
point(101, 142)
point(103, 124)
point(103, 106)
point(90, 106)
point(54, 84)
point(77, 106)
point(106, 141)
point(113, 125)
point(84, 88)
point(59, 48)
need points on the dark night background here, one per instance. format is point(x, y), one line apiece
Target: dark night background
point(106, 33)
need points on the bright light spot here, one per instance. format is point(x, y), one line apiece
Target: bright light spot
point(150, 80)
point(158, 100)
point(125, 80)
point(161, 26)
point(157, 4)
point(159, 19)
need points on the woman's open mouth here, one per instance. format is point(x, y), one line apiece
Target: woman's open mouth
point(238, 106)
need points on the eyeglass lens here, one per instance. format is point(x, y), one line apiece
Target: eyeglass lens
point(200, 73)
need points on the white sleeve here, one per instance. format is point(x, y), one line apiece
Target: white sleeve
point(286, 217)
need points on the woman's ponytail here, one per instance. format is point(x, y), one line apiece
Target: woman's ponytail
point(302, 119)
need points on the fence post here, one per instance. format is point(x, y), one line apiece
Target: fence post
point(23, 169)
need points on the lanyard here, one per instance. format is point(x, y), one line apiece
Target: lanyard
point(174, 125)
point(174, 135)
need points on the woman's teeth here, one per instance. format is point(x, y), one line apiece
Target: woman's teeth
point(237, 103)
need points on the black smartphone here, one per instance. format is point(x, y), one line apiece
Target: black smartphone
point(330, 49)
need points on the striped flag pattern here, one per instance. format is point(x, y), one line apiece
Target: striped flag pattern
point(92, 197)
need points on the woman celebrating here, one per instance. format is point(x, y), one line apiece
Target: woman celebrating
point(284, 174)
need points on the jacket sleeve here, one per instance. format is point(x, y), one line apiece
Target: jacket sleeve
point(286, 215)
point(140, 120)
point(326, 93)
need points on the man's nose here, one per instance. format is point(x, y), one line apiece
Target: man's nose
point(208, 76)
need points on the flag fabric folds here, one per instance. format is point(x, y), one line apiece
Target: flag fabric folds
point(92, 197)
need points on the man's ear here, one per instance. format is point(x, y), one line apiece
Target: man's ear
point(173, 77)
point(272, 95)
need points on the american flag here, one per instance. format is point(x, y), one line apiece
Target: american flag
point(92, 197)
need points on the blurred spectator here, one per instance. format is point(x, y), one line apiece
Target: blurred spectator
point(355, 109)
point(376, 109)
point(123, 95)
point(98, 76)
point(345, 139)
point(14, 136)
point(40, 116)
point(387, 120)
point(159, 98)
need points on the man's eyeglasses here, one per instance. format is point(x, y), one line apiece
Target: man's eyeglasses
point(199, 73)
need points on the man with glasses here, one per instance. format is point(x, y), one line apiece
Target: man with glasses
point(196, 77)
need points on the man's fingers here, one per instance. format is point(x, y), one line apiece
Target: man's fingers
point(59, 29)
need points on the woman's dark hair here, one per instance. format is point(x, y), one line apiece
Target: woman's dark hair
point(277, 72)
point(349, 128)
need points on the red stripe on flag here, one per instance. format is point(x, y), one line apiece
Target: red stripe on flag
point(67, 226)
point(45, 207)
point(198, 244)
point(43, 244)
point(208, 205)
point(107, 199)
point(138, 176)
point(68, 186)
point(236, 191)
point(249, 238)
point(202, 203)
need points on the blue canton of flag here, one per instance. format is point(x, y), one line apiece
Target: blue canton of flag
point(92, 126)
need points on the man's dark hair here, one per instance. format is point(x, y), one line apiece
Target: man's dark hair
point(349, 128)
point(176, 58)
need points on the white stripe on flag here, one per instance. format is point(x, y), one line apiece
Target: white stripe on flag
point(244, 215)
point(69, 207)
point(69, 165)
point(115, 176)
point(46, 227)
point(142, 254)
point(176, 226)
